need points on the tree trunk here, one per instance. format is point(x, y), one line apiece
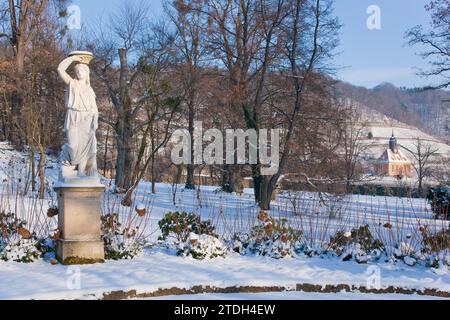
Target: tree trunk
point(175, 184)
point(124, 129)
point(4, 124)
point(231, 179)
point(20, 57)
point(152, 170)
point(190, 182)
point(41, 169)
point(348, 186)
point(33, 169)
point(16, 107)
point(124, 164)
point(105, 154)
point(256, 176)
point(153, 158)
point(420, 186)
point(16, 98)
point(267, 187)
point(28, 176)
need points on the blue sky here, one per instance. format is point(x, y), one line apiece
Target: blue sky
point(367, 57)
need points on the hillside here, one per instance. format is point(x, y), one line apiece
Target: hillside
point(381, 128)
point(427, 110)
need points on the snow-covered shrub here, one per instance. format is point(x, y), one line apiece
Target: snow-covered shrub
point(272, 237)
point(120, 242)
point(358, 244)
point(124, 228)
point(439, 199)
point(202, 246)
point(405, 252)
point(364, 237)
point(16, 242)
point(20, 250)
point(340, 242)
point(190, 235)
point(436, 242)
point(401, 238)
point(436, 247)
point(178, 226)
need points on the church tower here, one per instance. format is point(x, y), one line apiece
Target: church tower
point(393, 143)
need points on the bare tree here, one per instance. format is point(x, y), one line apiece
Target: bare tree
point(422, 154)
point(441, 172)
point(24, 19)
point(354, 144)
point(254, 40)
point(35, 91)
point(436, 41)
point(122, 38)
point(141, 91)
point(156, 131)
point(190, 52)
point(309, 33)
point(242, 38)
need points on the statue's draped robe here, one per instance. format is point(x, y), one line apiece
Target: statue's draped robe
point(80, 125)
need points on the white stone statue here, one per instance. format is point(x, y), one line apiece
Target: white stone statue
point(80, 150)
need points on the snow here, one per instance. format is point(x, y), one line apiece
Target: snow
point(140, 206)
point(409, 261)
point(193, 236)
point(158, 268)
point(296, 295)
point(14, 165)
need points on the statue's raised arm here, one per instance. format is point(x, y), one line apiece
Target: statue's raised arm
point(62, 69)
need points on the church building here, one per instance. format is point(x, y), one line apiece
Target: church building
point(393, 161)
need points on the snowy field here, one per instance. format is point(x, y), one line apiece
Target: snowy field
point(157, 271)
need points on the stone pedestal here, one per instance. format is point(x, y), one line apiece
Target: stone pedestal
point(79, 221)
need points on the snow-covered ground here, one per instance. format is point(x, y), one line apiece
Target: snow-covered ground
point(297, 295)
point(304, 211)
point(14, 165)
point(157, 271)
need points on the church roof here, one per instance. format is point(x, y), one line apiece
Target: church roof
point(390, 156)
point(393, 154)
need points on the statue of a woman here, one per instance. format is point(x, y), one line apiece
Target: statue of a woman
point(81, 121)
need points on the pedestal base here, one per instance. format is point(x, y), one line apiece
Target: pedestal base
point(79, 252)
point(79, 221)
